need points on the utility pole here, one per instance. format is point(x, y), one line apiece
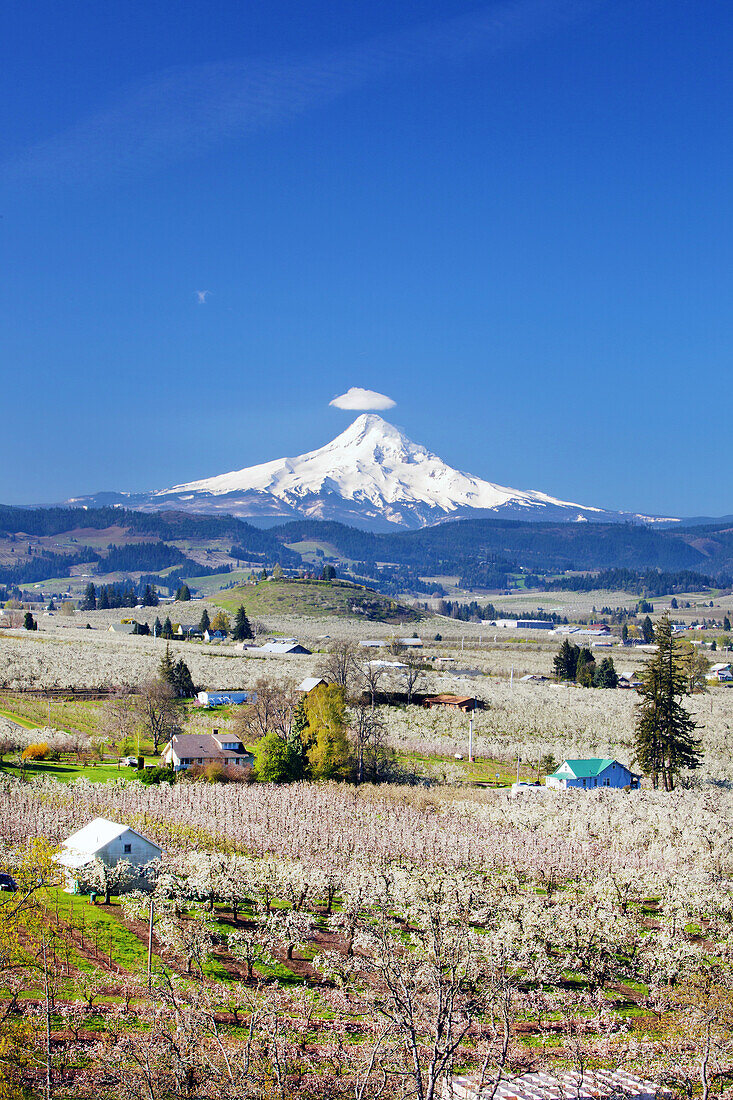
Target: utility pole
point(150, 946)
point(519, 761)
point(470, 739)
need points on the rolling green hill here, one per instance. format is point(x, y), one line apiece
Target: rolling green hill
point(315, 599)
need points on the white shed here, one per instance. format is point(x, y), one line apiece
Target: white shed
point(109, 842)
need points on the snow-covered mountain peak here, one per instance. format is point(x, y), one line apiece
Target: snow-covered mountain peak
point(373, 436)
point(370, 475)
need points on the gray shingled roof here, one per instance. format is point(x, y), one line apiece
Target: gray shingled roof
point(191, 745)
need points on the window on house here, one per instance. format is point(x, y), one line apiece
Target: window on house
point(128, 849)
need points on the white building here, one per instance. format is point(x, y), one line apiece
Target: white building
point(107, 841)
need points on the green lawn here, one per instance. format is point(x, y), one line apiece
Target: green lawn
point(66, 772)
point(102, 927)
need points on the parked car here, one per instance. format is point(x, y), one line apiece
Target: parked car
point(8, 883)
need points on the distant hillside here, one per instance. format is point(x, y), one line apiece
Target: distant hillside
point(463, 546)
point(38, 544)
point(315, 599)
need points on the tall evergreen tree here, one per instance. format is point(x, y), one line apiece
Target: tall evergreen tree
point(167, 631)
point(89, 603)
point(565, 662)
point(242, 630)
point(205, 621)
point(647, 630)
point(605, 675)
point(167, 668)
point(157, 627)
point(664, 738)
point(183, 684)
point(183, 595)
point(585, 668)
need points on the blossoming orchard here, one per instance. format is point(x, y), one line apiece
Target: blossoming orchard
point(363, 911)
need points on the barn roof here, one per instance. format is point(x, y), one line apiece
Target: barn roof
point(81, 847)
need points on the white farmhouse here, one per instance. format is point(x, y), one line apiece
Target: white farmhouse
point(106, 841)
point(185, 750)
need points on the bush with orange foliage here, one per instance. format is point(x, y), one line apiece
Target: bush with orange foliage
point(36, 752)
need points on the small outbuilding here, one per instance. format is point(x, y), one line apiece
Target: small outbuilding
point(106, 841)
point(122, 628)
point(310, 683)
point(455, 702)
point(225, 698)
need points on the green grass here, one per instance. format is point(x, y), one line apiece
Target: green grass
point(102, 925)
point(314, 599)
point(67, 773)
point(18, 720)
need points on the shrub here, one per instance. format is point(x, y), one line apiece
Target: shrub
point(153, 776)
point(36, 752)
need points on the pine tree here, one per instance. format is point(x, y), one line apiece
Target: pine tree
point(647, 630)
point(664, 738)
point(167, 668)
point(205, 621)
point(242, 629)
point(726, 625)
point(625, 633)
point(605, 676)
point(89, 603)
point(167, 631)
point(183, 684)
point(565, 662)
point(157, 627)
point(183, 595)
point(585, 669)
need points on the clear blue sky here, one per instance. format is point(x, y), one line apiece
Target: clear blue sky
point(514, 218)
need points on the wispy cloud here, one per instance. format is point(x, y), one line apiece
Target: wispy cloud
point(358, 398)
point(201, 296)
point(184, 111)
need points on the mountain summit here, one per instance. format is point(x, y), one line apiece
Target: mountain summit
point(371, 475)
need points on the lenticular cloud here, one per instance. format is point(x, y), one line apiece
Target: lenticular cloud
point(360, 399)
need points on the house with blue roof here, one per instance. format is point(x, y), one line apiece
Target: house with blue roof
point(589, 774)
